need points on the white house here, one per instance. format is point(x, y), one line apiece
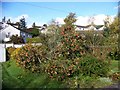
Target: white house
point(89, 27)
point(7, 30)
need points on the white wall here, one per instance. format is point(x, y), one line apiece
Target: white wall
point(9, 29)
point(2, 53)
point(19, 45)
point(4, 46)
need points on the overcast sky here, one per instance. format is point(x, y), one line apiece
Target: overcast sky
point(44, 12)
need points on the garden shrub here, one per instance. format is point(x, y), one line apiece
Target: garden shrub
point(91, 66)
point(71, 44)
point(115, 76)
point(16, 39)
point(30, 57)
point(14, 53)
point(114, 55)
point(9, 51)
point(62, 69)
point(33, 40)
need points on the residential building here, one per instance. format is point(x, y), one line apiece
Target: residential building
point(7, 30)
point(89, 27)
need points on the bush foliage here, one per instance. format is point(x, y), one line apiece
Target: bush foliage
point(62, 69)
point(91, 66)
point(14, 53)
point(87, 65)
point(114, 55)
point(70, 55)
point(71, 43)
point(30, 57)
point(33, 40)
point(9, 51)
point(16, 39)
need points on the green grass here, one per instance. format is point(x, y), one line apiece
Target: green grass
point(16, 77)
point(114, 66)
point(0, 76)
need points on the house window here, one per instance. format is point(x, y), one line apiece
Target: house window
point(8, 35)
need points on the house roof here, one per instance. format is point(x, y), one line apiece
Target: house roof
point(79, 26)
point(96, 26)
point(22, 30)
point(19, 29)
point(30, 29)
point(1, 25)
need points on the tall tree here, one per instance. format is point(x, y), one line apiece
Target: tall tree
point(107, 26)
point(34, 25)
point(53, 36)
point(71, 43)
point(115, 31)
point(22, 23)
point(114, 27)
point(111, 31)
point(8, 21)
point(70, 19)
point(4, 19)
point(35, 30)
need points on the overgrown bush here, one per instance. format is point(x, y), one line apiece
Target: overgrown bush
point(91, 66)
point(9, 51)
point(86, 65)
point(115, 76)
point(16, 39)
point(33, 40)
point(34, 32)
point(71, 44)
point(30, 57)
point(114, 55)
point(14, 53)
point(62, 69)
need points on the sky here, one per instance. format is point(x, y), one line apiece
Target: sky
point(44, 12)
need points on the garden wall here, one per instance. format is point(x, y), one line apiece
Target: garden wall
point(4, 46)
point(2, 53)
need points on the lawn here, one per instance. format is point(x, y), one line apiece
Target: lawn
point(114, 67)
point(16, 77)
point(0, 76)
